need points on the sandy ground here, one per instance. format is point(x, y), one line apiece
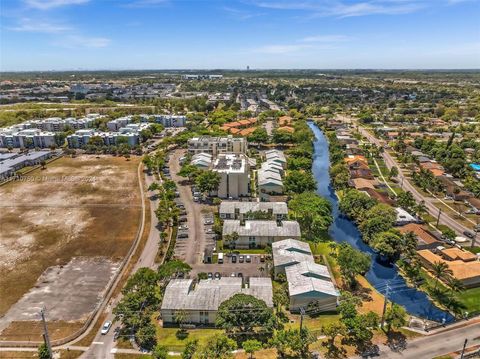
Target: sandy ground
point(67, 293)
point(86, 206)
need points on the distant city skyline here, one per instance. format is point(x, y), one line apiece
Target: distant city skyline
point(49, 35)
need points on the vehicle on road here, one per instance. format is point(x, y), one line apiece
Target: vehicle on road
point(106, 327)
point(469, 234)
point(248, 259)
point(241, 259)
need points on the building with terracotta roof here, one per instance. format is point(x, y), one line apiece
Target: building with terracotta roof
point(464, 267)
point(422, 234)
point(288, 129)
point(284, 120)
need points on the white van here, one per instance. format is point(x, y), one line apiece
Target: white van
point(220, 258)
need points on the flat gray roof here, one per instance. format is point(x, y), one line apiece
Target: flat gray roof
point(245, 207)
point(210, 293)
point(262, 228)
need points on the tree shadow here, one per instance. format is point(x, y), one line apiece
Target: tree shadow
point(396, 341)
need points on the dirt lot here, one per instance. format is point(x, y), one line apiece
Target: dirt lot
point(84, 206)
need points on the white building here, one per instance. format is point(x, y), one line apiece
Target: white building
point(82, 137)
point(200, 301)
point(270, 179)
point(403, 217)
point(171, 120)
point(308, 282)
point(276, 156)
point(234, 171)
point(28, 138)
point(12, 162)
point(259, 233)
point(240, 210)
point(118, 123)
point(217, 145)
point(202, 160)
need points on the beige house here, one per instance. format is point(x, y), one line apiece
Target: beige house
point(199, 302)
point(259, 233)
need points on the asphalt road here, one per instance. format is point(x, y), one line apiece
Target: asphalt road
point(436, 345)
point(407, 186)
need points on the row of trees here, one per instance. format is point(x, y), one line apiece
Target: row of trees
point(375, 222)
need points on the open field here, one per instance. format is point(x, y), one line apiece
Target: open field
point(77, 207)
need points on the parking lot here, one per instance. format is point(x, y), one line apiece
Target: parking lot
point(255, 268)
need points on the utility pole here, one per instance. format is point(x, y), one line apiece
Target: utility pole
point(387, 292)
point(46, 338)
point(474, 239)
point(464, 346)
point(438, 218)
point(302, 313)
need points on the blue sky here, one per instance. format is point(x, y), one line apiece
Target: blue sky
point(173, 34)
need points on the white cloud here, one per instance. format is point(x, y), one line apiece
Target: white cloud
point(240, 14)
point(76, 41)
point(341, 9)
point(49, 4)
point(30, 25)
point(325, 38)
point(281, 49)
point(146, 3)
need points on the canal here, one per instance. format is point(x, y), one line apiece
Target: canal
point(343, 230)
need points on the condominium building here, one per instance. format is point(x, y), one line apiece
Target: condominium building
point(29, 138)
point(82, 137)
point(171, 120)
point(200, 301)
point(217, 145)
point(308, 282)
point(242, 210)
point(270, 175)
point(259, 233)
point(234, 171)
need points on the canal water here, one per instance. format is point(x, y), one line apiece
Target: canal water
point(380, 274)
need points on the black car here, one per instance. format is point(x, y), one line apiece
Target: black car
point(469, 234)
point(217, 275)
point(234, 259)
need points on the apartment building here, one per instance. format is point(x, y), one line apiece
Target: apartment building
point(217, 145)
point(270, 175)
point(307, 281)
point(200, 301)
point(242, 210)
point(171, 120)
point(234, 171)
point(82, 137)
point(259, 233)
point(28, 138)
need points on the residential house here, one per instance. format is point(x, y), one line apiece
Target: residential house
point(424, 236)
point(403, 217)
point(464, 265)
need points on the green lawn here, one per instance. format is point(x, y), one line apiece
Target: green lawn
point(471, 299)
point(167, 337)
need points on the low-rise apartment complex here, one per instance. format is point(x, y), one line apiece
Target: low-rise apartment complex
point(217, 145)
point(200, 301)
point(244, 210)
point(259, 233)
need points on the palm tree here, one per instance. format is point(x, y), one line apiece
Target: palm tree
point(440, 270)
point(454, 284)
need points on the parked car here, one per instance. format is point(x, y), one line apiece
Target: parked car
point(210, 275)
point(208, 221)
point(106, 327)
point(183, 227)
point(233, 275)
point(240, 275)
point(217, 275)
point(182, 219)
point(262, 258)
point(182, 235)
point(241, 258)
point(234, 259)
point(248, 259)
point(196, 199)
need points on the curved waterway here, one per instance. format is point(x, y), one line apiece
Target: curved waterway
point(343, 230)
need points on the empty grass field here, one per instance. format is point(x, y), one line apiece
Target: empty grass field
point(86, 206)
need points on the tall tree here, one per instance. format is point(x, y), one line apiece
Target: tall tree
point(218, 347)
point(208, 181)
point(251, 346)
point(395, 317)
point(352, 262)
point(243, 313)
